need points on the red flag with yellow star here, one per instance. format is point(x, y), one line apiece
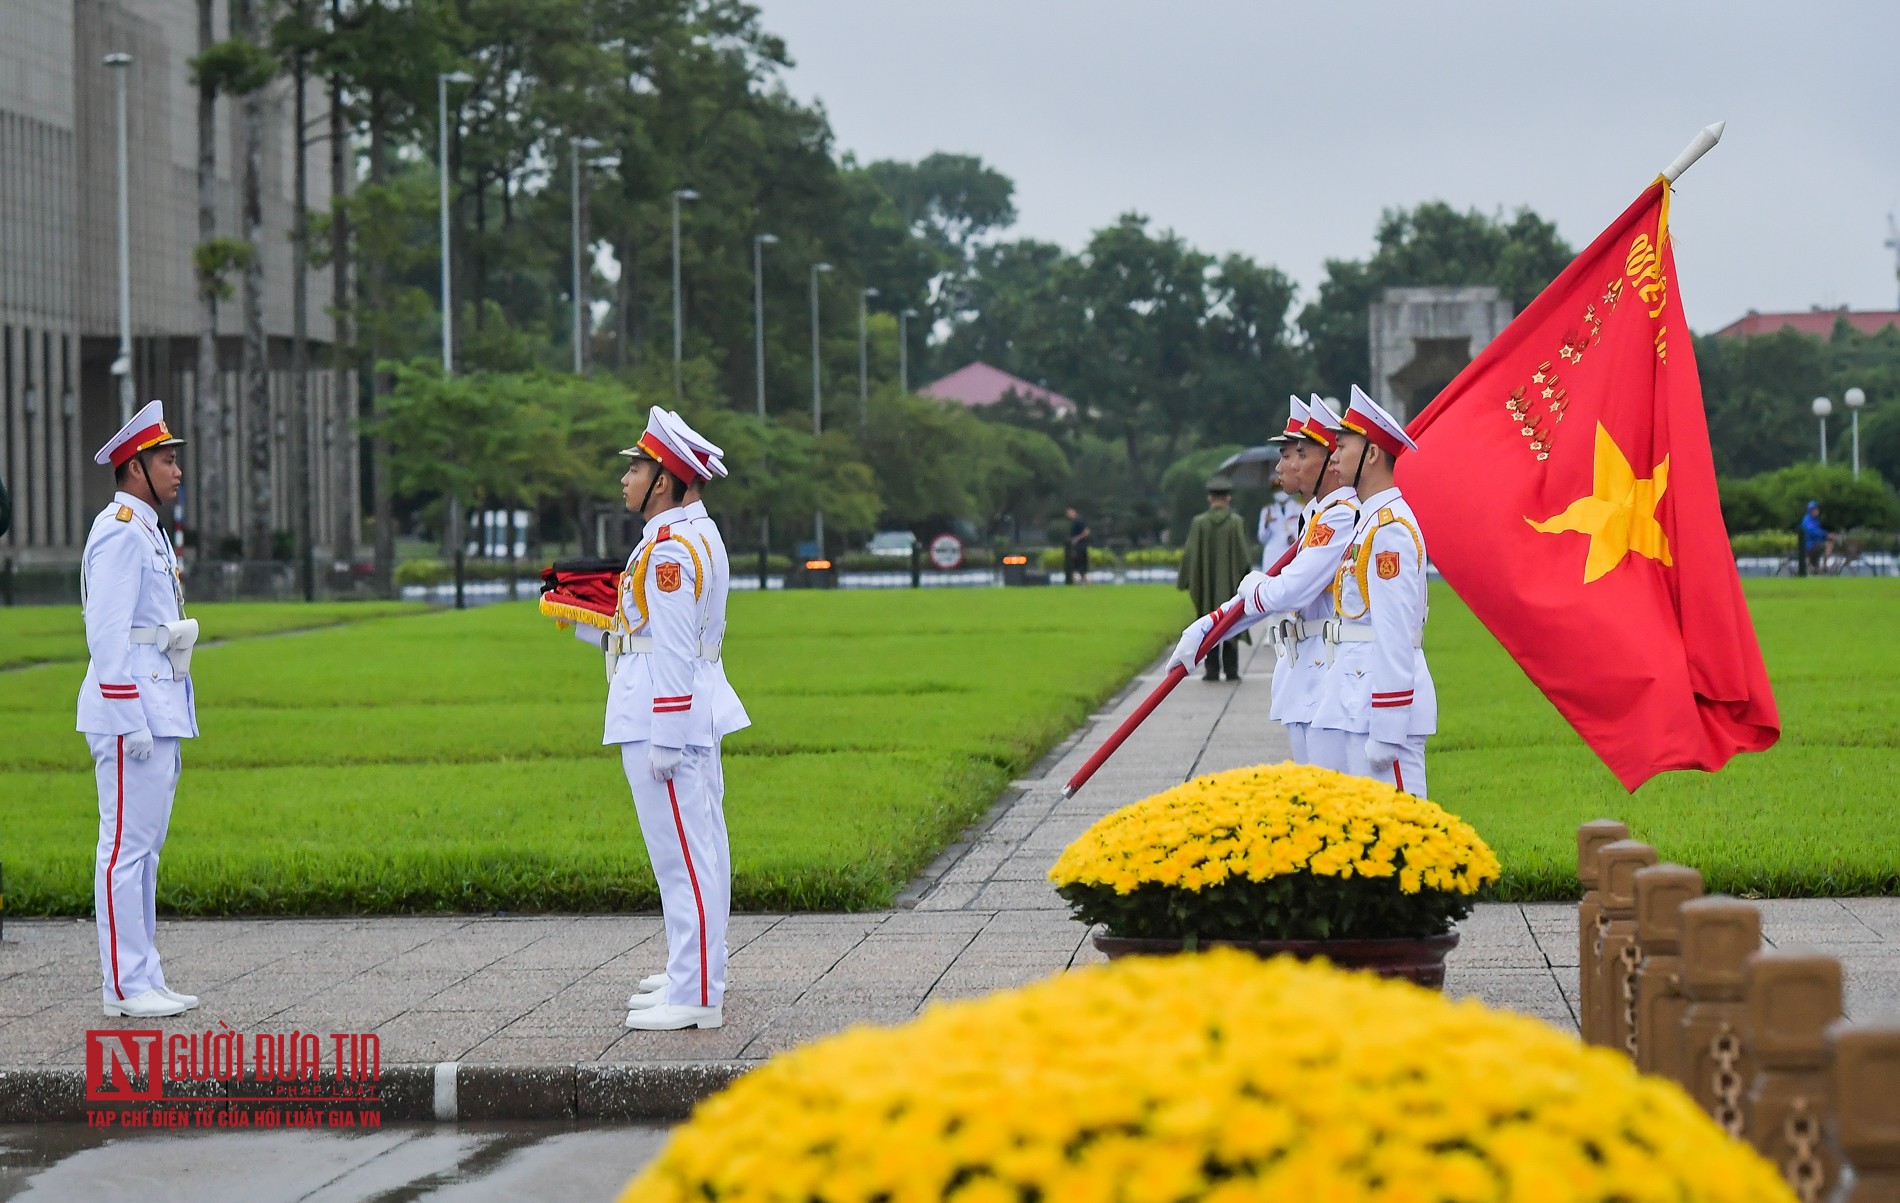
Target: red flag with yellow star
point(1567, 493)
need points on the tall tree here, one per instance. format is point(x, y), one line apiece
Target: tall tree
point(1431, 244)
point(342, 426)
point(247, 21)
point(208, 427)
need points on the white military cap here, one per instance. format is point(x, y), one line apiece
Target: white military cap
point(145, 431)
point(1295, 423)
point(1367, 417)
point(709, 454)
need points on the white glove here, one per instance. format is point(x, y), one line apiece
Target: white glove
point(663, 762)
point(1381, 756)
point(138, 744)
point(1187, 653)
point(1248, 583)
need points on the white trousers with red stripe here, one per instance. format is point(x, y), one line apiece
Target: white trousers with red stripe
point(1296, 740)
point(683, 824)
point(135, 808)
point(1346, 752)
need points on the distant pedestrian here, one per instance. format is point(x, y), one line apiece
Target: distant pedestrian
point(1279, 526)
point(1816, 539)
point(1075, 556)
point(1212, 564)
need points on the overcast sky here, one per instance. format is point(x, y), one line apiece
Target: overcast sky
point(1281, 130)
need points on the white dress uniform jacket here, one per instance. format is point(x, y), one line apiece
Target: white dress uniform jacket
point(672, 600)
point(131, 582)
point(1378, 684)
point(1281, 522)
point(1297, 603)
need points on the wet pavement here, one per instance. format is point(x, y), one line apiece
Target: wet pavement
point(408, 1163)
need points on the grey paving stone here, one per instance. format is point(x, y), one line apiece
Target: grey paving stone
point(1020, 895)
point(949, 898)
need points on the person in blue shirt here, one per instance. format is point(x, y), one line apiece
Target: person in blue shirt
point(1815, 538)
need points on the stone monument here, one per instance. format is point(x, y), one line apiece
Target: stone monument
point(1422, 337)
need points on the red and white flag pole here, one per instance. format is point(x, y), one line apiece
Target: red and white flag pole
point(1215, 637)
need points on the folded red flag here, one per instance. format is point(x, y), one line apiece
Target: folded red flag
point(583, 591)
point(1566, 488)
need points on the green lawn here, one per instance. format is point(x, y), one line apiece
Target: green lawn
point(48, 634)
point(1818, 814)
point(417, 760)
point(453, 760)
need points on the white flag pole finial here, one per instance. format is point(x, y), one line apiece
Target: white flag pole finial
point(1702, 143)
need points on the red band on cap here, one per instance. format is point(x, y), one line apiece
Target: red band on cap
point(139, 442)
point(1362, 424)
point(668, 460)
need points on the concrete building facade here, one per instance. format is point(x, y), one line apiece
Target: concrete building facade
point(1422, 337)
point(59, 311)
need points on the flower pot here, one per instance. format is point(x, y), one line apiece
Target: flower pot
point(1419, 960)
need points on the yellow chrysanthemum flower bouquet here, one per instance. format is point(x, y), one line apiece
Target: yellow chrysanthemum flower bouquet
point(1281, 858)
point(1209, 1079)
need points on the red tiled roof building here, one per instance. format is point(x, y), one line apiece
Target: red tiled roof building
point(980, 384)
point(1817, 322)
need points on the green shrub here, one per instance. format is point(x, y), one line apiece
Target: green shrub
point(422, 572)
point(1153, 557)
point(1776, 500)
point(1101, 559)
point(1763, 543)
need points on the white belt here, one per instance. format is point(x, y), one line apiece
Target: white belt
point(617, 644)
point(1336, 631)
point(1288, 632)
point(175, 639)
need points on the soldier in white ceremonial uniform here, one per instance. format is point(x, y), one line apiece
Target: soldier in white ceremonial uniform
point(135, 706)
point(668, 706)
point(705, 532)
point(1295, 597)
point(1377, 702)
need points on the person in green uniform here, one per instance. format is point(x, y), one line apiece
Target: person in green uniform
point(1216, 557)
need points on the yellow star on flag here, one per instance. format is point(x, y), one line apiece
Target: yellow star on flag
point(1620, 513)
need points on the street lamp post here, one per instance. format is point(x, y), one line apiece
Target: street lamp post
point(679, 328)
point(903, 349)
point(817, 395)
point(1855, 398)
point(575, 146)
point(864, 357)
point(1822, 408)
point(442, 81)
point(122, 367)
point(759, 243)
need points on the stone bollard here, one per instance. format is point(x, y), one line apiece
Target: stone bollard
point(1866, 1121)
point(1792, 998)
point(1718, 934)
point(1660, 892)
point(1617, 952)
point(1591, 837)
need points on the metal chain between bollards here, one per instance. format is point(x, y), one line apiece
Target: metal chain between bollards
point(1803, 1169)
point(1726, 1051)
point(1628, 959)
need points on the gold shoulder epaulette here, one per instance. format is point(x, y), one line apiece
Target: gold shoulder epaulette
point(1385, 514)
point(124, 514)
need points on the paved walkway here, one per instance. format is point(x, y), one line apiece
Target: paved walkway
point(550, 990)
